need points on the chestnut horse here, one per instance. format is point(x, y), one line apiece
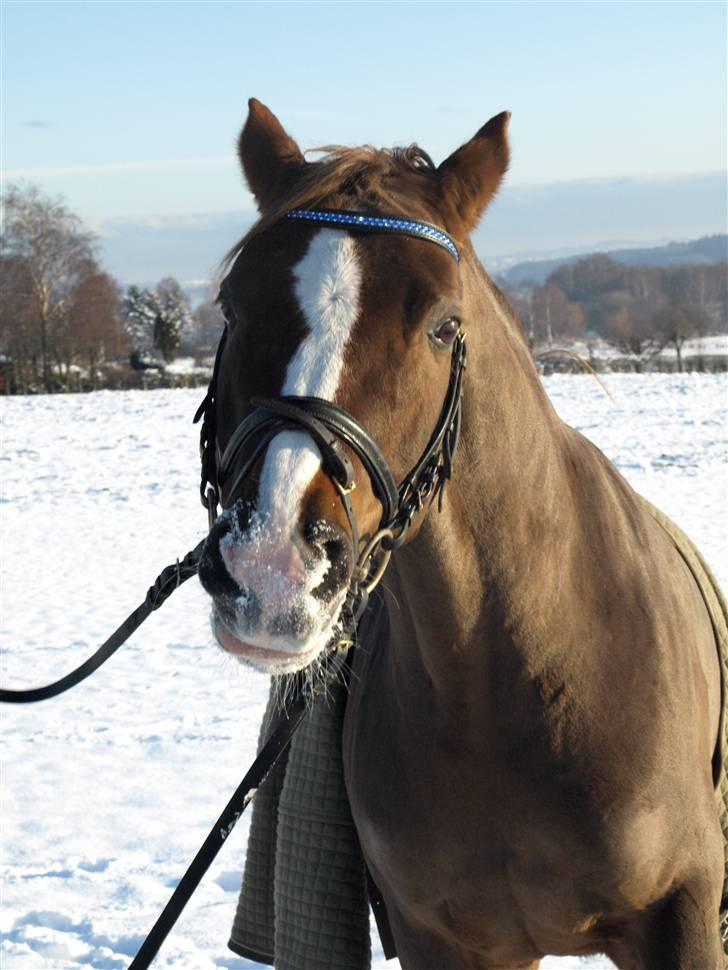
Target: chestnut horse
point(528, 746)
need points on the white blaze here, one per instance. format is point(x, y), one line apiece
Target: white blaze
point(328, 282)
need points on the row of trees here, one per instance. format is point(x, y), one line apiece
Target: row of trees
point(638, 310)
point(62, 315)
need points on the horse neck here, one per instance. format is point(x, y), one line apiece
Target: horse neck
point(473, 562)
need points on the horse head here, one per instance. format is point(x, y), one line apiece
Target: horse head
point(337, 362)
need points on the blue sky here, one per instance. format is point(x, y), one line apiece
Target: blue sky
point(132, 109)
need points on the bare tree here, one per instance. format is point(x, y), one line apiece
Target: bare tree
point(56, 252)
point(677, 323)
point(18, 334)
point(554, 314)
point(95, 326)
point(629, 327)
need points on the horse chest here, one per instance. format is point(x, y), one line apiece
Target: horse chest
point(471, 843)
point(444, 860)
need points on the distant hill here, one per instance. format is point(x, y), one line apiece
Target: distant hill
point(707, 249)
point(525, 222)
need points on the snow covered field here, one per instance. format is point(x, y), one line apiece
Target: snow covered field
point(108, 791)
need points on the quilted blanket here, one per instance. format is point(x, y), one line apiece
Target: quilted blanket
point(304, 902)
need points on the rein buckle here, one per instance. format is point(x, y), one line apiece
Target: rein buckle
point(344, 489)
point(210, 503)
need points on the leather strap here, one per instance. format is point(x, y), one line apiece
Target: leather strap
point(273, 416)
point(163, 586)
point(345, 427)
point(329, 425)
point(296, 708)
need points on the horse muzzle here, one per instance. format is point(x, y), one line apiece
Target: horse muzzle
point(276, 596)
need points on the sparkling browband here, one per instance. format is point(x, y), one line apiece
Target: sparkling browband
point(420, 230)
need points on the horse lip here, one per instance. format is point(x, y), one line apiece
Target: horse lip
point(249, 651)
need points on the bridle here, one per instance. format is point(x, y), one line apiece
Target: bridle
point(332, 427)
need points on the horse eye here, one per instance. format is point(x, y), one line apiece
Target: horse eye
point(445, 332)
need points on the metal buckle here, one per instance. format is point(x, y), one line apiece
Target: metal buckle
point(368, 579)
point(210, 503)
point(344, 489)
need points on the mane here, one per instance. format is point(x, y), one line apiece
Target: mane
point(364, 175)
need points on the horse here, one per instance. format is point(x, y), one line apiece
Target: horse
point(529, 747)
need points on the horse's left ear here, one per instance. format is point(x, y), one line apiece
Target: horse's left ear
point(271, 159)
point(471, 176)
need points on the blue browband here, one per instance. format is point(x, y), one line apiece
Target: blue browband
point(359, 220)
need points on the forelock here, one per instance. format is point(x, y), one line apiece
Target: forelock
point(365, 176)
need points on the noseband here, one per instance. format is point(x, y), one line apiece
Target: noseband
point(331, 427)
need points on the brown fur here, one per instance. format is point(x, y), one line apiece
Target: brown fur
point(528, 746)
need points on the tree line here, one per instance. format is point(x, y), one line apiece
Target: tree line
point(638, 310)
point(65, 322)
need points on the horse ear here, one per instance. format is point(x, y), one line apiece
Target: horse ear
point(271, 159)
point(471, 176)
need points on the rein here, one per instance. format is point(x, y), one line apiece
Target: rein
point(170, 579)
point(330, 426)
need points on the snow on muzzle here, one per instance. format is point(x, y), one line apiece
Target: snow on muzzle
point(277, 590)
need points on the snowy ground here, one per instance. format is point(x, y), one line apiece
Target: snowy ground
point(109, 790)
point(711, 345)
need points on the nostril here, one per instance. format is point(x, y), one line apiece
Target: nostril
point(213, 575)
point(242, 515)
point(216, 578)
point(329, 541)
point(244, 608)
point(336, 550)
point(321, 535)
